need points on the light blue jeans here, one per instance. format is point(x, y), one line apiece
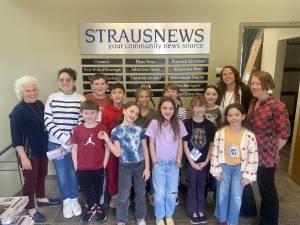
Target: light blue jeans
point(165, 183)
point(229, 194)
point(66, 175)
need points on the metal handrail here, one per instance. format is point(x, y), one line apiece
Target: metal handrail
point(9, 161)
point(5, 149)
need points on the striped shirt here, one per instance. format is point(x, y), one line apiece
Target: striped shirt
point(182, 113)
point(62, 114)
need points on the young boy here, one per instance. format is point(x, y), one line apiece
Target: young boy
point(90, 158)
point(99, 85)
point(111, 115)
point(197, 148)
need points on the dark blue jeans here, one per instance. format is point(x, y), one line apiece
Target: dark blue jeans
point(127, 172)
point(196, 190)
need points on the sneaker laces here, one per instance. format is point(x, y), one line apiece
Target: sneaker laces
point(99, 210)
point(201, 214)
point(91, 210)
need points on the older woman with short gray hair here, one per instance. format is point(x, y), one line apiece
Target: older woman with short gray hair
point(30, 139)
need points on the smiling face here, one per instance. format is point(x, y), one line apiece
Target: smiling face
point(199, 110)
point(256, 87)
point(143, 99)
point(29, 92)
point(89, 116)
point(117, 95)
point(171, 93)
point(167, 110)
point(235, 117)
point(66, 83)
point(211, 96)
point(99, 88)
point(131, 114)
point(228, 76)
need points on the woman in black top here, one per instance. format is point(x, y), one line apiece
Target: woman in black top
point(30, 139)
point(233, 90)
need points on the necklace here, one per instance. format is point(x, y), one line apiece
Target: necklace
point(37, 114)
point(225, 102)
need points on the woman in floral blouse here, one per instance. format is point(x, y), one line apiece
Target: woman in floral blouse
point(269, 120)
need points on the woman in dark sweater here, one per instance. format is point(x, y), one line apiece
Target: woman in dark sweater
point(232, 89)
point(30, 139)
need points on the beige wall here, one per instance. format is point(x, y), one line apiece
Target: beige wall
point(38, 37)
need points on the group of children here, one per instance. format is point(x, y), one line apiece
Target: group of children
point(115, 141)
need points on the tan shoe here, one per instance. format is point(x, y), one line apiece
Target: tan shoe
point(160, 222)
point(170, 221)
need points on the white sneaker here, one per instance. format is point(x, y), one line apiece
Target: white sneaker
point(67, 208)
point(113, 201)
point(141, 222)
point(76, 208)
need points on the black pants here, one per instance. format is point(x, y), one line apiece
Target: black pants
point(91, 183)
point(269, 207)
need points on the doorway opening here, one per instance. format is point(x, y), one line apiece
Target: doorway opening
point(278, 54)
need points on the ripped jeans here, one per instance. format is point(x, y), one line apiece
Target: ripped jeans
point(165, 183)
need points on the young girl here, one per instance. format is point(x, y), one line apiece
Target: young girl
point(197, 148)
point(143, 98)
point(165, 135)
point(214, 113)
point(129, 144)
point(172, 90)
point(62, 114)
point(234, 161)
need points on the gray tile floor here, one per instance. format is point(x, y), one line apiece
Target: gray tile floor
point(288, 191)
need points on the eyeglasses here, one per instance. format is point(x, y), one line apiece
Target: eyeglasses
point(66, 80)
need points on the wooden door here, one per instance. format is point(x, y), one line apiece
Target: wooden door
point(294, 168)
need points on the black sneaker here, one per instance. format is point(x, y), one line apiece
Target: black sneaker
point(195, 219)
point(202, 218)
point(89, 213)
point(101, 216)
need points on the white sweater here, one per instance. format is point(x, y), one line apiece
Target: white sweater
point(249, 154)
point(62, 114)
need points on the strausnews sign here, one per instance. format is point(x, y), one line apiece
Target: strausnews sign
point(144, 38)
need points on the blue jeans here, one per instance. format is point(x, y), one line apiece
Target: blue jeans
point(165, 182)
point(66, 176)
point(229, 194)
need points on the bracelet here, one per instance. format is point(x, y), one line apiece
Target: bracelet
point(109, 141)
point(154, 163)
point(178, 164)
